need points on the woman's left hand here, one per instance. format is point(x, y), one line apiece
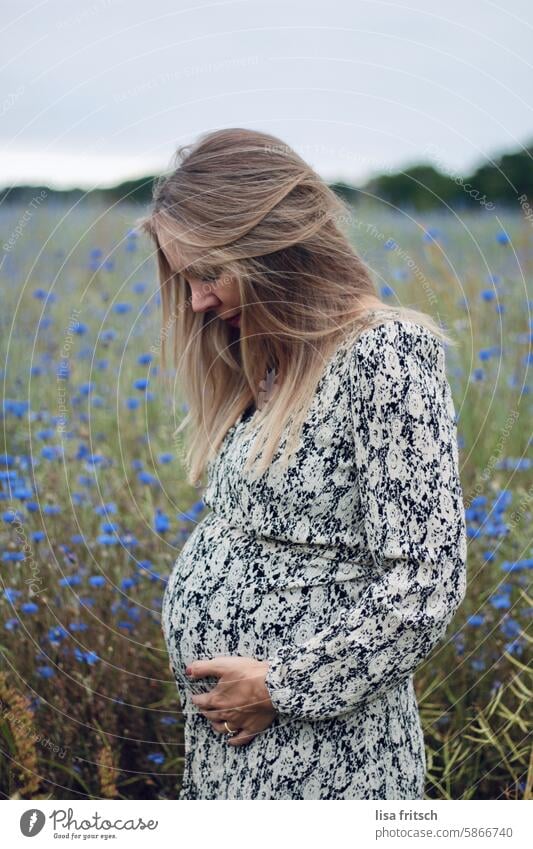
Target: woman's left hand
point(240, 697)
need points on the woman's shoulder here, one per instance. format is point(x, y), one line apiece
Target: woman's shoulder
point(392, 339)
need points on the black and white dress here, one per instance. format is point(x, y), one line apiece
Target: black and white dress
point(343, 570)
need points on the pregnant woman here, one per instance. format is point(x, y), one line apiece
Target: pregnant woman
point(333, 556)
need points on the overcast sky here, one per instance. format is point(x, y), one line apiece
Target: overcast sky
point(97, 92)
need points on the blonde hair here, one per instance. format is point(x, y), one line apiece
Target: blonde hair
point(241, 205)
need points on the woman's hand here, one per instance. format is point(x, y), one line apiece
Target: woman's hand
point(240, 697)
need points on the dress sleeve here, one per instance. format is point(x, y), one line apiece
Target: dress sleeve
point(406, 461)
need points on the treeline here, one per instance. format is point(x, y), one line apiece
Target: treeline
point(419, 187)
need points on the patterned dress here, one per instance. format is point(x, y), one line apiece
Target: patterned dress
point(343, 570)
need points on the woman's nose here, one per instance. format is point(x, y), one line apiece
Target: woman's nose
point(202, 300)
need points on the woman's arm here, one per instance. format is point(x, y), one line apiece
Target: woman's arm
point(405, 449)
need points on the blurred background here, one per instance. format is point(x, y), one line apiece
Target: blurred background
point(420, 117)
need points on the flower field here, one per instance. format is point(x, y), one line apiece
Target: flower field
point(95, 507)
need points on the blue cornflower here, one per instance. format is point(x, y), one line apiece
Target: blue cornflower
point(475, 620)
point(141, 383)
point(10, 594)
point(29, 607)
point(103, 509)
point(56, 634)
point(107, 539)
point(13, 555)
point(166, 457)
point(97, 581)
point(146, 477)
point(45, 671)
point(510, 627)
point(500, 601)
point(168, 720)
point(517, 565)
point(502, 237)
point(156, 757)
point(144, 359)
point(70, 581)
point(161, 522)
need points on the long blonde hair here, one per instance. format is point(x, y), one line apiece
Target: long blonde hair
point(240, 204)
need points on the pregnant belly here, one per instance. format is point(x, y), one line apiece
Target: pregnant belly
point(232, 592)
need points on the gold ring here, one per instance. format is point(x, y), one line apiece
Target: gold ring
point(230, 730)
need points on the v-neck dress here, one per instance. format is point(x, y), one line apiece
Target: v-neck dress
point(343, 570)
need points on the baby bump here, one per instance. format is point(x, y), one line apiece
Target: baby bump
point(234, 593)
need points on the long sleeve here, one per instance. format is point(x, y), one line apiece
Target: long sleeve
point(406, 460)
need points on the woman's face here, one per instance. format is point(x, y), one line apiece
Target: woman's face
point(218, 295)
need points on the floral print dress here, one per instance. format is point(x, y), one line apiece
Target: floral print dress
point(344, 570)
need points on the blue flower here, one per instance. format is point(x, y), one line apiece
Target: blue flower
point(510, 627)
point(475, 620)
point(146, 477)
point(144, 359)
point(141, 383)
point(103, 509)
point(97, 581)
point(13, 555)
point(161, 522)
point(166, 457)
point(78, 626)
point(502, 238)
point(431, 234)
point(517, 565)
point(45, 672)
point(514, 647)
point(132, 403)
point(11, 594)
point(156, 757)
point(89, 657)
point(70, 581)
point(107, 539)
point(500, 601)
point(56, 634)
point(29, 607)
point(121, 308)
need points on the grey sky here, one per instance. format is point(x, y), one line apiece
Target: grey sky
point(97, 92)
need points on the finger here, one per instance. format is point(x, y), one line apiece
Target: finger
point(241, 739)
point(220, 728)
point(209, 666)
